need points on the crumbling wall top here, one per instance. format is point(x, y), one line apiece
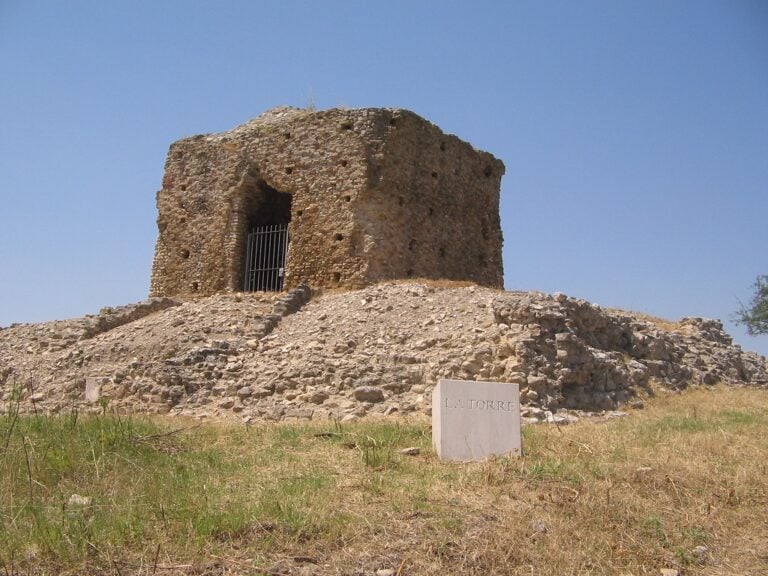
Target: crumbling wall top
point(366, 194)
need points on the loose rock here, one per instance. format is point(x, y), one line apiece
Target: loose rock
point(369, 394)
point(232, 355)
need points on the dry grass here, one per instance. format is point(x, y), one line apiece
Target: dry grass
point(627, 496)
point(432, 283)
point(661, 323)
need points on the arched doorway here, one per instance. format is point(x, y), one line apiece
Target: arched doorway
point(268, 213)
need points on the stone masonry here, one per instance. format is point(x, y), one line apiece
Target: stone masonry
point(367, 194)
point(345, 354)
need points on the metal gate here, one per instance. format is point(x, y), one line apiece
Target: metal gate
point(265, 258)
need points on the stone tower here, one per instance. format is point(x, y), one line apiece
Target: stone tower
point(363, 195)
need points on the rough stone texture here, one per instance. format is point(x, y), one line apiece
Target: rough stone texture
point(368, 195)
point(109, 317)
point(236, 355)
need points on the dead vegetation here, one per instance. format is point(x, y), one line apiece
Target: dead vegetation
point(661, 323)
point(681, 484)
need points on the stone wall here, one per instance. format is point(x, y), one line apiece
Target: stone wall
point(368, 195)
point(376, 350)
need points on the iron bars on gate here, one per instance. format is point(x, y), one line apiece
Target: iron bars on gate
point(265, 258)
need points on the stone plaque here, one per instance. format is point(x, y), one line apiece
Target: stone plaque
point(474, 420)
point(92, 390)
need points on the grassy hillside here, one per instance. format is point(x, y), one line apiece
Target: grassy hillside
point(680, 484)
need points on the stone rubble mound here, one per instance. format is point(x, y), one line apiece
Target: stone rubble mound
point(342, 355)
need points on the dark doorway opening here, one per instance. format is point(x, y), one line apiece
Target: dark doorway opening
point(266, 252)
point(266, 246)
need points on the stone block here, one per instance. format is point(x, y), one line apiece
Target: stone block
point(475, 420)
point(92, 390)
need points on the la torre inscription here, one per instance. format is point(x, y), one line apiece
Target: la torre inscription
point(475, 420)
point(473, 404)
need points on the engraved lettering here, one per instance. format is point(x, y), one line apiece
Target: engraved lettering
point(452, 404)
point(474, 404)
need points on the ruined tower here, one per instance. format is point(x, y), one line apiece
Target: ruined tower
point(328, 198)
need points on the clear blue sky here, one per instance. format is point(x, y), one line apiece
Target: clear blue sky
point(635, 133)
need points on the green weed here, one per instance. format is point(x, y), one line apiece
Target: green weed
point(112, 494)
